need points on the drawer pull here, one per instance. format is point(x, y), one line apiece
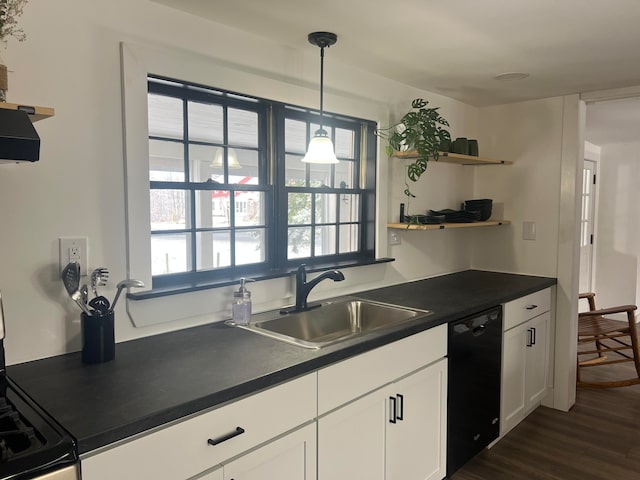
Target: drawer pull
point(392, 410)
point(228, 436)
point(531, 307)
point(401, 406)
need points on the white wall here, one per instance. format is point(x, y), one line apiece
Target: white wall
point(530, 135)
point(71, 62)
point(618, 228)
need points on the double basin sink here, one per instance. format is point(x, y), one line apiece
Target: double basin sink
point(332, 321)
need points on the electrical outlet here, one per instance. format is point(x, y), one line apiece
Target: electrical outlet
point(394, 238)
point(74, 249)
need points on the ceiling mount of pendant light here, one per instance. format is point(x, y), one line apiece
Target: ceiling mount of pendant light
point(321, 147)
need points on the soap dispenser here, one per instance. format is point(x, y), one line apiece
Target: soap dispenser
point(241, 306)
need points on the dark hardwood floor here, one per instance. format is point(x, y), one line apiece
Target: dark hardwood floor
point(598, 439)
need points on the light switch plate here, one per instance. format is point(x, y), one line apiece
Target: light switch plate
point(528, 230)
point(394, 238)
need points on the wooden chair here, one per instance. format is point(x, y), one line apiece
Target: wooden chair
point(610, 337)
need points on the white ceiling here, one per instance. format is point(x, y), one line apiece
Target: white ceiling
point(456, 47)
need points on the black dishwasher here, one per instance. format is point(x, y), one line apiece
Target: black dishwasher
point(475, 350)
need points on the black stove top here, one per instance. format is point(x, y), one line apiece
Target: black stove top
point(31, 443)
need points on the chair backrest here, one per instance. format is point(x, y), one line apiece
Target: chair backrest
point(591, 298)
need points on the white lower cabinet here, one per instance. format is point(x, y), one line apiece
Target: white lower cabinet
point(292, 457)
point(525, 359)
point(396, 432)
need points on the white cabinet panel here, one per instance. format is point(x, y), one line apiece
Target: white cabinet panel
point(292, 457)
point(416, 443)
point(351, 440)
point(525, 357)
point(396, 432)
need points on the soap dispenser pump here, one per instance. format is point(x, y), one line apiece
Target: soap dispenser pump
point(241, 306)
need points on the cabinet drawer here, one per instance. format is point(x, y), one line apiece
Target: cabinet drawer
point(525, 308)
point(182, 450)
point(352, 378)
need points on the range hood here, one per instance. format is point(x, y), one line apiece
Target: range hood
point(19, 141)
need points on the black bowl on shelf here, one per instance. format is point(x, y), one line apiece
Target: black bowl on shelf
point(483, 206)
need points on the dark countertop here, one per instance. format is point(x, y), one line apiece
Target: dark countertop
point(157, 379)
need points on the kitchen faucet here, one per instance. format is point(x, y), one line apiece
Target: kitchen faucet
point(303, 288)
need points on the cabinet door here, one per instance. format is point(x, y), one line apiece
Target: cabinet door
point(292, 457)
point(537, 362)
point(514, 354)
point(351, 440)
point(416, 442)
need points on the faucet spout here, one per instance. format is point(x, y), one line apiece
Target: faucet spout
point(303, 288)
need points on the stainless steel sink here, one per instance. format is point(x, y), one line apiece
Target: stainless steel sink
point(332, 322)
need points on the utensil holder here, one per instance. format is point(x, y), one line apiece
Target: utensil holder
point(98, 337)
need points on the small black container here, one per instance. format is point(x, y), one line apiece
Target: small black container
point(98, 337)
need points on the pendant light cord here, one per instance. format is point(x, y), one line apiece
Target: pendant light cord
point(321, 84)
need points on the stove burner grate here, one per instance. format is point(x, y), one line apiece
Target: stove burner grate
point(16, 436)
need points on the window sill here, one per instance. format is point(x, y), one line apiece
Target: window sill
point(233, 280)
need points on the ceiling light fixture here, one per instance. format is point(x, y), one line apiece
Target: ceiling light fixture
point(505, 77)
point(218, 159)
point(321, 147)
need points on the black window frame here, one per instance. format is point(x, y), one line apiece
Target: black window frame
point(271, 131)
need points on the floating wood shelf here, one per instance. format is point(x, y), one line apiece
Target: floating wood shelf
point(448, 157)
point(442, 226)
point(35, 113)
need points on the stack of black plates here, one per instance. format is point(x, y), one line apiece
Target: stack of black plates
point(456, 216)
point(424, 219)
point(482, 206)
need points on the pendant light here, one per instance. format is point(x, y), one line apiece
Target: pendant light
point(321, 147)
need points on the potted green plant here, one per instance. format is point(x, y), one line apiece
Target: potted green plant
point(420, 129)
point(10, 10)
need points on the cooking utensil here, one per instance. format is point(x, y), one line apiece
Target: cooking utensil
point(99, 278)
point(71, 277)
point(77, 297)
point(84, 294)
point(100, 303)
point(125, 284)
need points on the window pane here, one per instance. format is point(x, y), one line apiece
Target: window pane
point(243, 127)
point(170, 253)
point(165, 116)
point(249, 208)
point(244, 169)
point(168, 210)
point(299, 242)
point(295, 136)
point(349, 208)
point(212, 208)
point(348, 238)
point(166, 161)
point(320, 175)
point(344, 174)
point(344, 143)
point(251, 246)
point(213, 250)
point(325, 240)
point(326, 208)
point(203, 164)
point(205, 122)
point(299, 208)
point(295, 171)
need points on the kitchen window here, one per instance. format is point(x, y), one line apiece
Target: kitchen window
point(230, 196)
